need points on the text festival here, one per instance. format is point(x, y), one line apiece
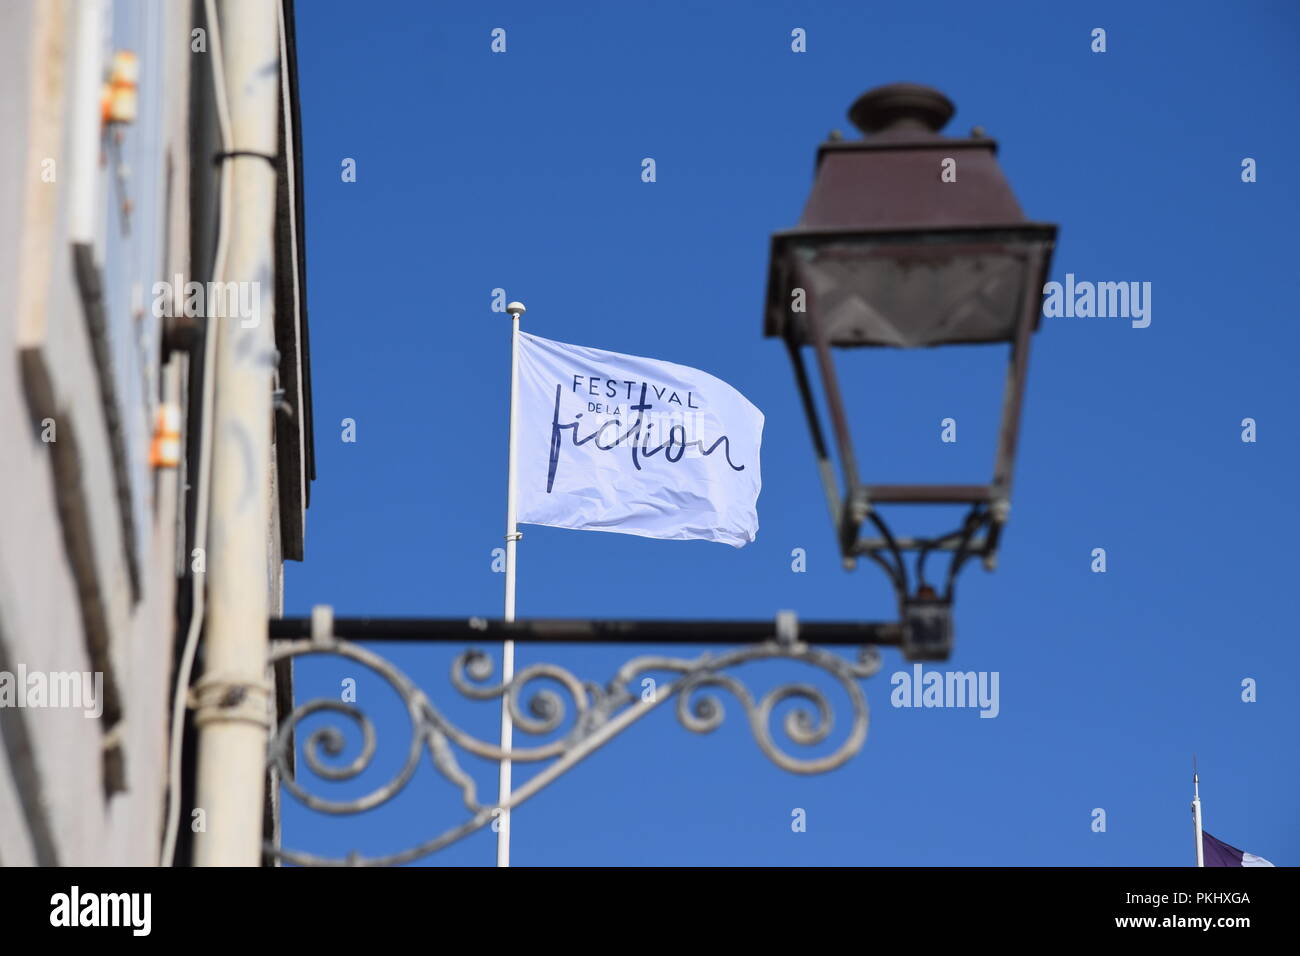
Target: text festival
point(638, 435)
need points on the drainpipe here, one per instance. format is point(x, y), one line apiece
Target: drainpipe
point(233, 698)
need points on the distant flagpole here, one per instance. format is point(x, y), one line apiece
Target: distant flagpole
point(516, 309)
point(1196, 813)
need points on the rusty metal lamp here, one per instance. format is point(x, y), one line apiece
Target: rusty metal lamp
point(909, 239)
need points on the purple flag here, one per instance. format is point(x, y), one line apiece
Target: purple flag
point(1218, 853)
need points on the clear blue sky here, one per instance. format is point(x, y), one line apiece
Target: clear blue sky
point(522, 171)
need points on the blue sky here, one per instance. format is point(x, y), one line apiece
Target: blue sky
point(522, 171)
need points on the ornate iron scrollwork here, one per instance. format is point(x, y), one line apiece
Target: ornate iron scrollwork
point(600, 713)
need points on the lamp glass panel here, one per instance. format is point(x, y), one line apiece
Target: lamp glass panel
point(917, 417)
point(917, 296)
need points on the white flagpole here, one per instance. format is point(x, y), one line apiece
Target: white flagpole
point(1196, 813)
point(515, 309)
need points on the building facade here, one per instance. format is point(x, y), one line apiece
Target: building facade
point(127, 198)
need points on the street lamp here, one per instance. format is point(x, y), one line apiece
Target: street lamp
point(909, 239)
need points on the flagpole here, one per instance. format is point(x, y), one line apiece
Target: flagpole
point(516, 309)
point(1196, 813)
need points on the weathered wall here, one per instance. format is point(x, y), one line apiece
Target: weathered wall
point(65, 551)
point(93, 538)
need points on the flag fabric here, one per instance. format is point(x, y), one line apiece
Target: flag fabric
point(1218, 853)
point(613, 442)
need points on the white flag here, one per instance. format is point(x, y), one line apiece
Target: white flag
point(612, 442)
